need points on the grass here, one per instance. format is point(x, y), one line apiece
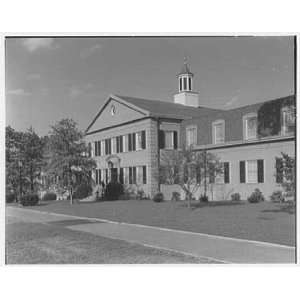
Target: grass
point(268, 222)
point(33, 243)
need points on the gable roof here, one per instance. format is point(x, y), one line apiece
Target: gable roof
point(165, 109)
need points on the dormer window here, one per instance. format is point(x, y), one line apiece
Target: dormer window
point(250, 126)
point(218, 131)
point(288, 120)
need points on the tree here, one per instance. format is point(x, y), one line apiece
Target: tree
point(288, 171)
point(68, 160)
point(24, 160)
point(189, 169)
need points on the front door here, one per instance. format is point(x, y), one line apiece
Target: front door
point(114, 174)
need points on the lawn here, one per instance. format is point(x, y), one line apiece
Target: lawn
point(268, 222)
point(32, 243)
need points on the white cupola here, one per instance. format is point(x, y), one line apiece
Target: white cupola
point(186, 96)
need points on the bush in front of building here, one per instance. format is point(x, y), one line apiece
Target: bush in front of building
point(235, 197)
point(158, 197)
point(82, 191)
point(11, 197)
point(175, 196)
point(29, 199)
point(203, 198)
point(113, 191)
point(256, 197)
point(50, 196)
point(277, 197)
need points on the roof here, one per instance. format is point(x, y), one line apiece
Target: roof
point(165, 109)
point(185, 70)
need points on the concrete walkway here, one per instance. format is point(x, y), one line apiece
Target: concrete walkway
point(222, 249)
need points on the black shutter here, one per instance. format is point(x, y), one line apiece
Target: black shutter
point(211, 175)
point(144, 175)
point(260, 170)
point(109, 146)
point(226, 172)
point(198, 174)
point(279, 171)
point(129, 143)
point(99, 148)
point(118, 144)
point(121, 176)
point(89, 149)
point(133, 142)
point(121, 143)
point(143, 139)
point(97, 178)
point(134, 175)
point(95, 148)
point(161, 139)
point(175, 139)
point(130, 175)
point(242, 172)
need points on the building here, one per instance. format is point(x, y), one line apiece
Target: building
point(128, 135)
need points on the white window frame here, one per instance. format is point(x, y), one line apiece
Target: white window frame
point(214, 132)
point(245, 125)
point(286, 109)
point(246, 170)
point(188, 128)
point(171, 132)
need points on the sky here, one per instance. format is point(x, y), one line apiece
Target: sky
point(48, 79)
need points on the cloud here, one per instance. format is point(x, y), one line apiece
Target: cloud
point(18, 92)
point(75, 92)
point(33, 44)
point(89, 51)
point(231, 101)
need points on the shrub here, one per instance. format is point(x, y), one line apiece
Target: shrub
point(82, 191)
point(113, 190)
point(49, 196)
point(11, 197)
point(29, 199)
point(256, 197)
point(203, 198)
point(159, 197)
point(277, 196)
point(235, 197)
point(175, 196)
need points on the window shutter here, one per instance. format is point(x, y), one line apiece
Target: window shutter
point(242, 172)
point(134, 175)
point(95, 148)
point(121, 176)
point(211, 176)
point(130, 175)
point(97, 178)
point(198, 174)
point(161, 139)
point(226, 172)
point(260, 170)
point(89, 150)
point(175, 139)
point(143, 139)
point(144, 175)
point(279, 171)
point(133, 142)
point(129, 143)
point(120, 144)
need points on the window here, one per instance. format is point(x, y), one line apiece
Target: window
point(97, 148)
point(132, 175)
point(191, 136)
point(98, 176)
point(102, 147)
point(139, 175)
point(288, 120)
point(218, 132)
point(126, 175)
point(125, 143)
point(131, 142)
point(114, 145)
point(119, 140)
point(184, 83)
point(139, 141)
point(252, 171)
point(250, 126)
point(223, 177)
point(169, 140)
